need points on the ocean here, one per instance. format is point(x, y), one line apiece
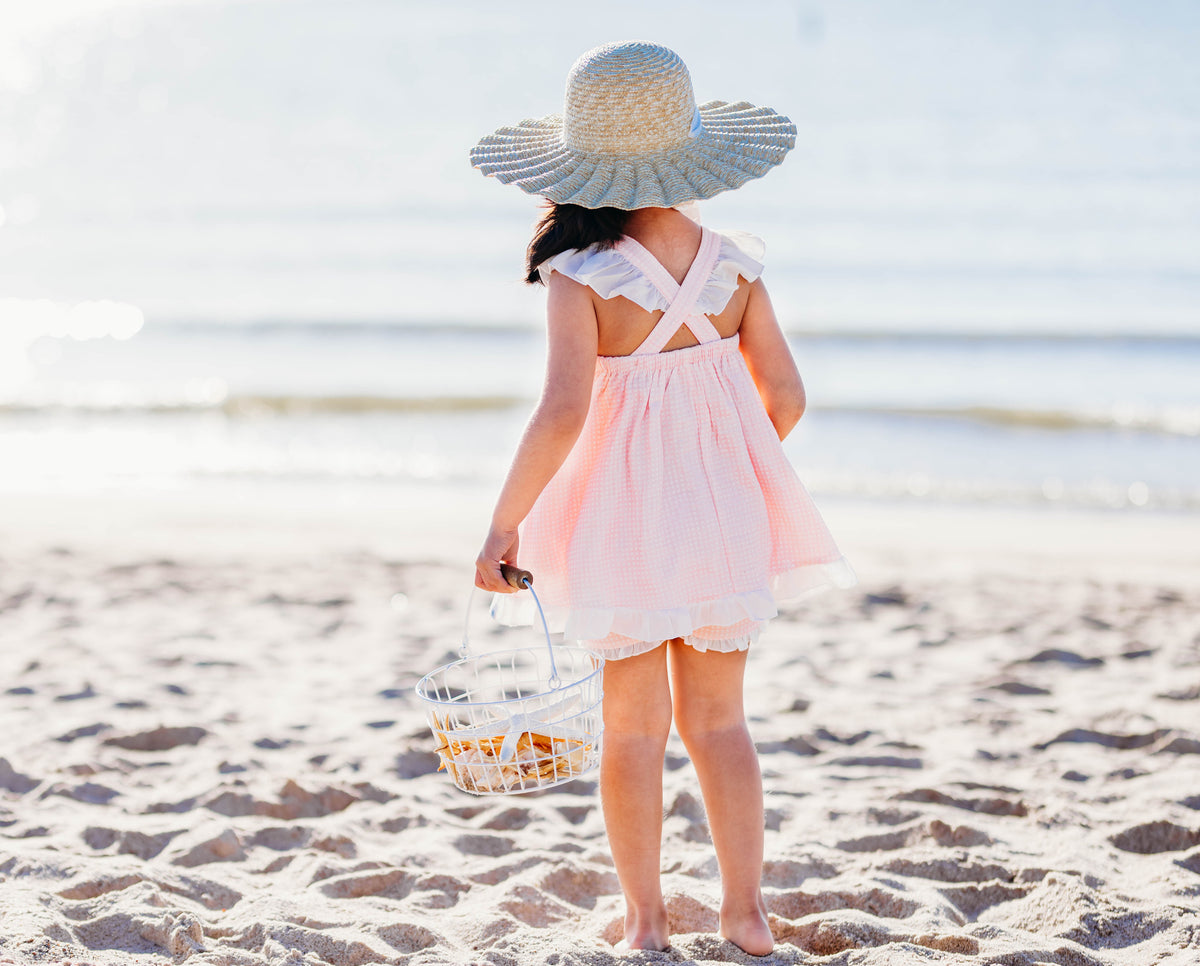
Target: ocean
point(241, 240)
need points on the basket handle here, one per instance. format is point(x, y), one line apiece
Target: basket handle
point(521, 580)
point(516, 577)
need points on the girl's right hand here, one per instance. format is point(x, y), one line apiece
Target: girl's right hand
point(499, 547)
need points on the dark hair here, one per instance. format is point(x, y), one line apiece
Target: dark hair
point(566, 227)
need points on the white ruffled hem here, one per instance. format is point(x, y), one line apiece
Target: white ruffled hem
point(701, 644)
point(597, 623)
point(608, 273)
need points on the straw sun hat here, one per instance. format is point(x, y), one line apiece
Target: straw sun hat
point(631, 136)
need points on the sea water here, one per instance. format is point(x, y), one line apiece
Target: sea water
point(1096, 421)
point(241, 239)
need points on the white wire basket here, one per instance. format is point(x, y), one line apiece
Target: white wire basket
point(519, 720)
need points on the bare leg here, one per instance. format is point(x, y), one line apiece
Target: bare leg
point(707, 689)
point(637, 720)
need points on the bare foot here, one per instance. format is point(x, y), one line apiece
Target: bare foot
point(748, 930)
point(646, 931)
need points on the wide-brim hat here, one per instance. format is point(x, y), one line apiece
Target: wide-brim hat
point(632, 136)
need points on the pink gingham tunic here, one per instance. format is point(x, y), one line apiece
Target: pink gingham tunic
point(676, 513)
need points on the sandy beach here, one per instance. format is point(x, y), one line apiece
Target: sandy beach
point(265, 355)
point(988, 752)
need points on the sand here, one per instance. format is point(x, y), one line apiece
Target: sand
point(989, 752)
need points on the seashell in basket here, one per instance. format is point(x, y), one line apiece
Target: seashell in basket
point(476, 765)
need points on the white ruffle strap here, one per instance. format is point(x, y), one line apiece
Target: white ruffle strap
point(608, 273)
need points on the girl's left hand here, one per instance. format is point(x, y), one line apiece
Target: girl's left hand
point(499, 547)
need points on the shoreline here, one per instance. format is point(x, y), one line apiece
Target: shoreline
point(442, 522)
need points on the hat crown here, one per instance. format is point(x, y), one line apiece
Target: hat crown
point(631, 97)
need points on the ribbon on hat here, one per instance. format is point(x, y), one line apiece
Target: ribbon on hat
point(697, 125)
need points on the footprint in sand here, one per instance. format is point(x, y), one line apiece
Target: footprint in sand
point(575, 814)
point(1182, 694)
point(973, 898)
point(673, 762)
point(989, 806)
point(1190, 862)
point(781, 873)
point(389, 883)
point(90, 793)
point(179, 933)
point(959, 868)
point(795, 745)
point(489, 845)
point(1018, 688)
point(823, 734)
point(1152, 837)
point(506, 870)
point(14, 781)
point(532, 907)
point(91, 888)
point(797, 904)
point(686, 819)
point(1180, 745)
point(439, 891)
point(87, 691)
point(509, 820)
point(200, 848)
point(1064, 905)
point(1060, 656)
point(830, 935)
point(891, 816)
point(294, 801)
point(158, 739)
point(1107, 738)
point(581, 885)
point(207, 892)
point(407, 937)
point(877, 761)
point(128, 842)
point(83, 731)
point(935, 830)
point(281, 838)
point(686, 913)
point(273, 744)
point(845, 929)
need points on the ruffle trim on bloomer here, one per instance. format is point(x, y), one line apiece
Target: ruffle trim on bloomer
point(608, 273)
point(724, 640)
point(596, 623)
point(633, 649)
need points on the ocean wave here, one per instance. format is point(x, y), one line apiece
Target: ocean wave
point(105, 402)
point(406, 329)
point(1162, 420)
point(1048, 492)
point(1167, 420)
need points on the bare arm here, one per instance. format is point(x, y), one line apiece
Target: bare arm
point(552, 429)
point(770, 361)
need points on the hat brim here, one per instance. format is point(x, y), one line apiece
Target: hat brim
point(739, 142)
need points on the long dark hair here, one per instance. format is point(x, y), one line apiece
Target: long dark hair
point(564, 227)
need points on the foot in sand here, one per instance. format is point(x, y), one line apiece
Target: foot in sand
point(747, 929)
point(646, 931)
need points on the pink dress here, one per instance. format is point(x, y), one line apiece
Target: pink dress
point(676, 513)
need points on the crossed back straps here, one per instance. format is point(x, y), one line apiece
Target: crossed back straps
point(681, 309)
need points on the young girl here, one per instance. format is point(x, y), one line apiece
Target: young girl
point(654, 504)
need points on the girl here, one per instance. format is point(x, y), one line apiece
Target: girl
point(650, 491)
